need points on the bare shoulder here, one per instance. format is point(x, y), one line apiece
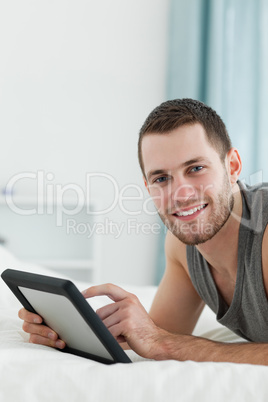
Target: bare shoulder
point(176, 251)
point(176, 306)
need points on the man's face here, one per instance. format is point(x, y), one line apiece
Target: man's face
point(188, 183)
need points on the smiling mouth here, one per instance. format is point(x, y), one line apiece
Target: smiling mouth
point(191, 211)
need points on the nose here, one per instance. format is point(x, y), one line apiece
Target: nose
point(182, 191)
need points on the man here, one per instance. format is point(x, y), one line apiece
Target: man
point(216, 247)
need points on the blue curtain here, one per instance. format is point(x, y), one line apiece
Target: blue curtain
point(218, 53)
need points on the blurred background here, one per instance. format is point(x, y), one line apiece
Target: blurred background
point(77, 80)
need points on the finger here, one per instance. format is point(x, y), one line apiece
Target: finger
point(26, 315)
point(40, 340)
point(114, 292)
point(112, 320)
point(41, 330)
point(116, 331)
point(106, 311)
point(112, 314)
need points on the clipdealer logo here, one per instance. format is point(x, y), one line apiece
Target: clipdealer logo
point(51, 198)
point(109, 227)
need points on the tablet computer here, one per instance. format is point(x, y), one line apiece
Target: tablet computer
point(65, 310)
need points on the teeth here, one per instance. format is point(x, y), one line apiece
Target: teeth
point(190, 211)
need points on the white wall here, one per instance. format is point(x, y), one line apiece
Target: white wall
point(77, 80)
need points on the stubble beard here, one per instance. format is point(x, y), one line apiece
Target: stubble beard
point(198, 231)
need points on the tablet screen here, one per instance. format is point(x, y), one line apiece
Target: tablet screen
point(60, 314)
point(66, 311)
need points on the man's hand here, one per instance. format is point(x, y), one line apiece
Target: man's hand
point(127, 320)
point(39, 333)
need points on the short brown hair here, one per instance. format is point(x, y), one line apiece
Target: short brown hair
point(172, 114)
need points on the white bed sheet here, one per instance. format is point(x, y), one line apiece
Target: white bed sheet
point(36, 373)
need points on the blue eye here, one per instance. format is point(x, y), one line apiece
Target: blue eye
point(196, 169)
point(161, 179)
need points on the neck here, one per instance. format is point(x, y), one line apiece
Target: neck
point(221, 251)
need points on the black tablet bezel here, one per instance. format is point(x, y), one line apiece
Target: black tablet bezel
point(15, 279)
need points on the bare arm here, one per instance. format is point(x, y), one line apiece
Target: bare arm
point(176, 306)
point(200, 349)
point(128, 322)
point(165, 333)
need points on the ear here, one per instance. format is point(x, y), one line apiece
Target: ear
point(146, 184)
point(234, 165)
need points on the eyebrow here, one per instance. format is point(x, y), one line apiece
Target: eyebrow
point(198, 159)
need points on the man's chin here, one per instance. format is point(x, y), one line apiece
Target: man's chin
point(194, 240)
point(192, 234)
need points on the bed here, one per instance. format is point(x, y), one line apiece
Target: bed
point(31, 372)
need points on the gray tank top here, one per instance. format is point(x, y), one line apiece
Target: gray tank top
point(247, 315)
